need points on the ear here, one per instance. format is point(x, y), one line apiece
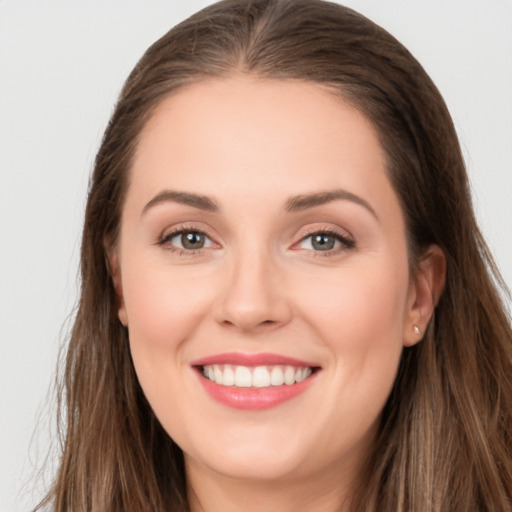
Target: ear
point(115, 272)
point(425, 289)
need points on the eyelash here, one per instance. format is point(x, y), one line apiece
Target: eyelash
point(346, 242)
point(165, 238)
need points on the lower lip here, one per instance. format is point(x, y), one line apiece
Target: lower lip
point(254, 399)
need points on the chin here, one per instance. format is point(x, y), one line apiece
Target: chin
point(256, 457)
point(260, 469)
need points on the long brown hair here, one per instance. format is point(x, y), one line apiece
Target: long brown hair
point(445, 439)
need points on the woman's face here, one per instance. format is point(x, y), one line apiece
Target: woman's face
point(263, 245)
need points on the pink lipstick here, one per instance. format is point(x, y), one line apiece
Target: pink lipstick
point(254, 381)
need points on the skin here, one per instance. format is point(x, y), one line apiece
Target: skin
point(259, 285)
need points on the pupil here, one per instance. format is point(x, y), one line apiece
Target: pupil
point(192, 240)
point(323, 242)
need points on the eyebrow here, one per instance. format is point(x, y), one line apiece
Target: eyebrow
point(293, 204)
point(187, 198)
point(305, 201)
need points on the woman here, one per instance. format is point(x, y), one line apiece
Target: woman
point(286, 301)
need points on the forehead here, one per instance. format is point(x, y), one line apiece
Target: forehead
point(253, 137)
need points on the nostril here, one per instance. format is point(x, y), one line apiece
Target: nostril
point(249, 325)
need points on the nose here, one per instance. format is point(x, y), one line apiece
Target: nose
point(254, 297)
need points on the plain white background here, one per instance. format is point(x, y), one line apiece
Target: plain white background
point(62, 64)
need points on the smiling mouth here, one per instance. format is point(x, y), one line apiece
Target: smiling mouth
point(238, 376)
point(254, 382)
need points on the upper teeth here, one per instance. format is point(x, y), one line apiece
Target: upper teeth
point(255, 376)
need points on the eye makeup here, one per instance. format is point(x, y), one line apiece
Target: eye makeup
point(189, 241)
point(186, 240)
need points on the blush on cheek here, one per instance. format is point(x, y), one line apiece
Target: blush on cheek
point(362, 310)
point(160, 303)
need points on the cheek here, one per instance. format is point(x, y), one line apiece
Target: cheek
point(358, 306)
point(163, 306)
point(164, 309)
point(357, 314)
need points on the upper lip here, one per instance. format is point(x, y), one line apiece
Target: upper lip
point(260, 359)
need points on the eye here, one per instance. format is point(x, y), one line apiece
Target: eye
point(323, 241)
point(187, 240)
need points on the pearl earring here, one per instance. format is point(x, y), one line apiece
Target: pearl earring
point(416, 330)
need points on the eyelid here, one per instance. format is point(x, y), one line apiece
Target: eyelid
point(346, 240)
point(169, 233)
point(177, 235)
